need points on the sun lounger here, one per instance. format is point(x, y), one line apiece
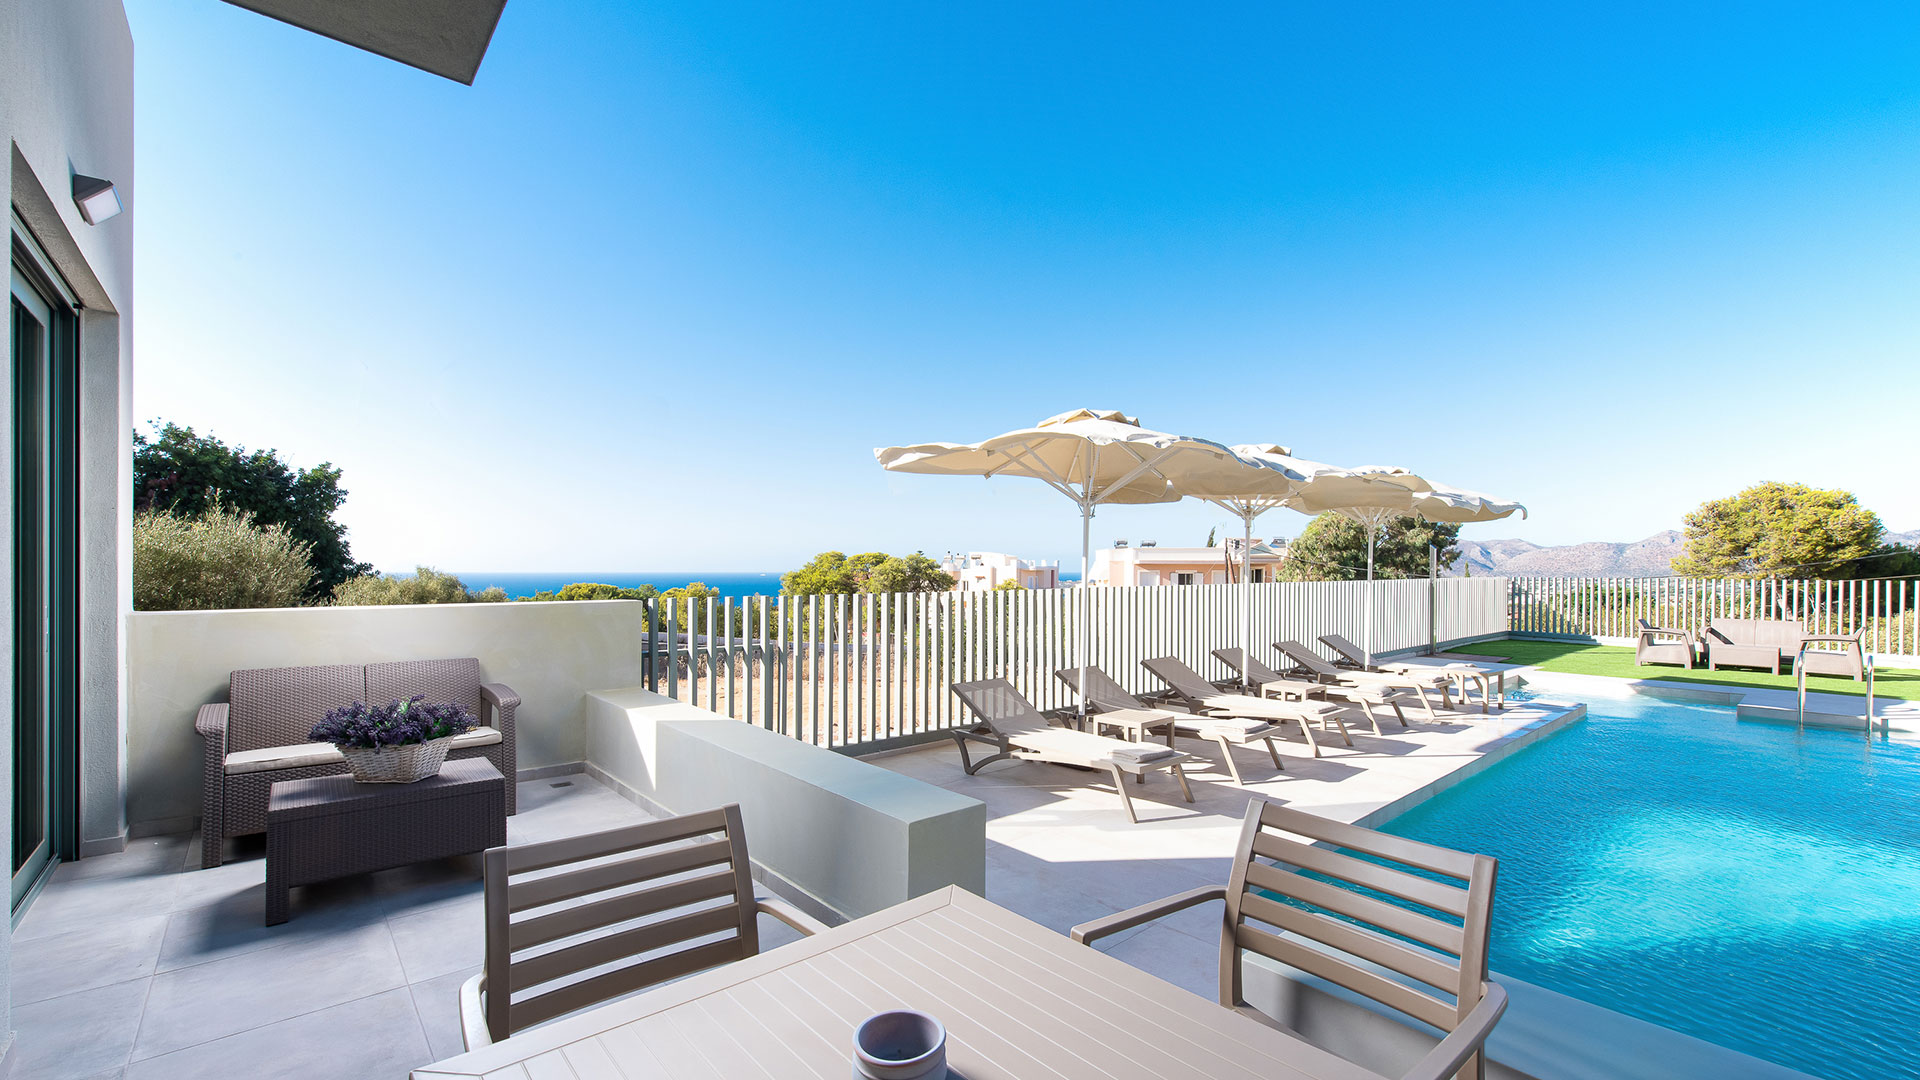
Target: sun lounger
point(1354, 657)
point(1017, 730)
point(1271, 683)
point(1306, 659)
point(1202, 696)
point(1110, 698)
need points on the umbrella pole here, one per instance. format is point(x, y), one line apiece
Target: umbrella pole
point(1246, 601)
point(1371, 527)
point(1086, 612)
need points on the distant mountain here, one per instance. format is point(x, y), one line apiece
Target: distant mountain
point(1651, 557)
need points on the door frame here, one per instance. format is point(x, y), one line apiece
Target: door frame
point(29, 261)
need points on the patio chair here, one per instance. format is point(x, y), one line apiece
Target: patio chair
point(1355, 658)
point(693, 883)
point(1016, 729)
point(1310, 662)
point(1201, 696)
point(1649, 648)
point(1294, 898)
point(1270, 683)
point(1105, 694)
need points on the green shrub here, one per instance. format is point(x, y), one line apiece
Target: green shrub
point(426, 586)
point(1010, 585)
point(213, 560)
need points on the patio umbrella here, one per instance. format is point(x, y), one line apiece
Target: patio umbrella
point(1095, 457)
point(1373, 495)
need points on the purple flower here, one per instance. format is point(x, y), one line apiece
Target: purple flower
point(398, 723)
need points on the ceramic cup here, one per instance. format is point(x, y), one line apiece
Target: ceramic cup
point(900, 1045)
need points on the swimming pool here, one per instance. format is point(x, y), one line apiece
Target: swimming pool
point(1749, 884)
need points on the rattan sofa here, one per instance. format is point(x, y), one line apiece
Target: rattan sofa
point(258, 736)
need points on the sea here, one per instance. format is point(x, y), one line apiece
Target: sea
point(518, 584)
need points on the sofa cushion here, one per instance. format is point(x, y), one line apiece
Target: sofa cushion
point(307, 755)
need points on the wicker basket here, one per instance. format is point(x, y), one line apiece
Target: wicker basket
point(397, 764)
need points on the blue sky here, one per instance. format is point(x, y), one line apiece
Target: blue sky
point(648, 294)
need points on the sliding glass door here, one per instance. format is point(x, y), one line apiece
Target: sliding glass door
point(45, 551)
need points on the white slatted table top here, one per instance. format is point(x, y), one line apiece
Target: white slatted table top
point(1020, 1002)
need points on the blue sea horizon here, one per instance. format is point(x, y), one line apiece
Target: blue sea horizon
point(518, 583)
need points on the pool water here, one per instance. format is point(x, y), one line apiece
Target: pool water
point(1749, 884)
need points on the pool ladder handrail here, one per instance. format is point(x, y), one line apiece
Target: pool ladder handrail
point(1800, 684)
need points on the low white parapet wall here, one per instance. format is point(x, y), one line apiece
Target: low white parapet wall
point(177, 661)
point(830, 832)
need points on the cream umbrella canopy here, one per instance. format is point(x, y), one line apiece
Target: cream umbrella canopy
point(1373, 495)
point(1094, 457)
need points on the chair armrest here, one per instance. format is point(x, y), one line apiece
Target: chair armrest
point(1649, 631)
point(211, 721)
point(788, 914)
point(1089, 932)
point(1834, 639)
point(1463, 1042)
point(473, 1014)
point(502, 700)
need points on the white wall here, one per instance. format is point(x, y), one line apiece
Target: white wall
point(66, 104)
point(551, 654)
point(836, 835)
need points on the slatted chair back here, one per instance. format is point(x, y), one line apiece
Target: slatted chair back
point(1185, 681)
point(1102, 691)
point(1255, 671)
point(1001, 707)
point(1307, 658)
point(1348, 651)
point(1360, 896)
point(578, 921)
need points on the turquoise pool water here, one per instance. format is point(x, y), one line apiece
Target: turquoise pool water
point(1748, 884)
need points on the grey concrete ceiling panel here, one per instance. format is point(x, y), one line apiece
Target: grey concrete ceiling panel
point(445, 37)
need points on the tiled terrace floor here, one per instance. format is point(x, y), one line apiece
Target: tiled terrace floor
point(1060, 849)
point(141, 965)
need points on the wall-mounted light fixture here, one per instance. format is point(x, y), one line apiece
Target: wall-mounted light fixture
point(96, 198)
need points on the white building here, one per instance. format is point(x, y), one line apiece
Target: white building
point(982, 571)
point(1149, 564)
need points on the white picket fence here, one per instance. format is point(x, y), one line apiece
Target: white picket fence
point(867, 670)
point(1888, 610)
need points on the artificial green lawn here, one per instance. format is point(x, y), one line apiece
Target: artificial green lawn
point(1573, 658)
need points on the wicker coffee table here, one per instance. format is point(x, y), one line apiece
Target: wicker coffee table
point(331, 826)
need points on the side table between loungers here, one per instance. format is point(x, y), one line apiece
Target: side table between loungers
point(330, 826)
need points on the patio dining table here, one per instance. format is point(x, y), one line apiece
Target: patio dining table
point(1018, 1001)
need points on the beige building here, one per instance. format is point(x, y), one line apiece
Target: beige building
point(982, 571)
point(1149, 564)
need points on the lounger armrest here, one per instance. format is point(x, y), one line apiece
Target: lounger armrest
point(787, 913)
point(1445, 1059)
point(473, 1014)
point(1089, 932)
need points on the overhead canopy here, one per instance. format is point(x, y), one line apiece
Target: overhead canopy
point(1459, 507)
point(446, 37)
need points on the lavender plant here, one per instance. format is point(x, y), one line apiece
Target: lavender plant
point(399, 723)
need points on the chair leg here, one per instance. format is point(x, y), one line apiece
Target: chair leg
point(1366, 708)
point(1233, 767)
point(1306, 731)
point(1428, 702)
point(1120, 785)
point(1273, 753)
point(1181, 775)
point(1341, 726)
